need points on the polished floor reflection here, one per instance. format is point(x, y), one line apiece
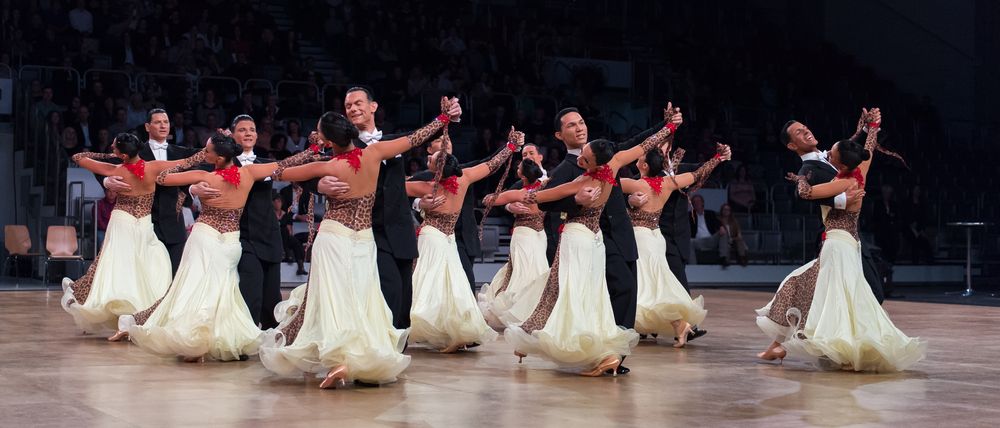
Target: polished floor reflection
point(51, 375)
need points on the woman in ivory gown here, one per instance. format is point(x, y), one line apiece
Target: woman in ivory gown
point(663, 305)
point(132, 269)
point(573, 324)
point(514, 292)
point(341, 327)
point(444, 313)
point(828, 313)
point(203, 313)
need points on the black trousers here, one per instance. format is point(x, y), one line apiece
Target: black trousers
point(260, 285)
point(623, 288)
point(466, 259)
point(871, 274)
point(396, 280)
point(676, 262)
point(175, 251)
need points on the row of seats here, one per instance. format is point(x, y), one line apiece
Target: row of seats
point(60, 245)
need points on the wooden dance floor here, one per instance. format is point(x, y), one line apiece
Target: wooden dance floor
point(51, 375)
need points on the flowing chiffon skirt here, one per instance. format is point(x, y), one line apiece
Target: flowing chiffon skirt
point(203, 312)
point(341, 316)
point(580, 331)
point(845, 327)
point(514, 292)
point(444, 312)
point(661, 297)
point(131, 271)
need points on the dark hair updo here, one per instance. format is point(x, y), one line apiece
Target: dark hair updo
point(532, 172)
point(127, 144)
point(852, 153)
point(603, 151)
point(226, 147)
point(654, 158)
point(451, 167)
point(336, 128)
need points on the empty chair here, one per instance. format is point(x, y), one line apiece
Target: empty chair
point(764, 221)
point(491, 243)
point(744, 221)
point(62, 245)
point(17, 240)
point(752, 239)
point(790, 222)
point(770, 245)
point(782, 205)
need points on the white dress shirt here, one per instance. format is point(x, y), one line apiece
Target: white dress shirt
point(373, 137)
point(702, 227)
point(839, 201)
point(159, 149)
point(85, 129)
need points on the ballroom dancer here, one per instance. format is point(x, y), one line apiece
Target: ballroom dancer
point(831, 315)
point(466, 231)
point(619, 239)
point(167, 200)
point(817, 167)
point(260, 234)
point(574, 324)
point(514, 292)
point(132, 269)
point(342, 329)
point(395, 237)
point(663, 305)
point(445, 314)
point(203, 313)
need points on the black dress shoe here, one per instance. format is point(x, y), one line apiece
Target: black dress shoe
point(472, 345)
point(622, 370)
point(366, 384)
point(695, 333)
point(244, 357)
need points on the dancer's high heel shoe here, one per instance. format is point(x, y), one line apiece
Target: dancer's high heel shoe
point(199, 359)
point(776, 353)
point(682, 335)
point(452, 349)
point(608, 363)
point(520, 356)
point(119, 336)
point(336, 378)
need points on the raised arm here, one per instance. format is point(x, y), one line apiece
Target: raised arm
point(389, 149)
point(417, 189)
point(630, 186)
point(561, 191)
point(699, 176)
point(820, 191)
point(874, 121)
point(182, 178)
point(673, 119)
point(88, 161)
point(506, 197)
point(197, 158)
point(275, 170)
point(515, 139)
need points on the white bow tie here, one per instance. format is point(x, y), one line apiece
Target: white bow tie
point(247, 158)
point(368, 137)
point(157, 146)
